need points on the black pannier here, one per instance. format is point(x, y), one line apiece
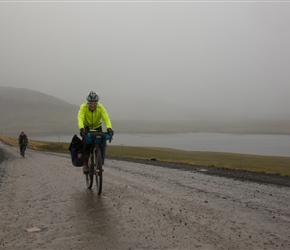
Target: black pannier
point(76, 151)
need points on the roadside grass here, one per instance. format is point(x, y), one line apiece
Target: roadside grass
point(61, 147)
point(255, 163)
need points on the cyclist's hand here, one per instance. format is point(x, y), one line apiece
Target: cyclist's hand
point(82, 132)
point(111, 133)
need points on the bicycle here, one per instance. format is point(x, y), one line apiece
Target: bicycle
point(96, 138)
point(23, 148)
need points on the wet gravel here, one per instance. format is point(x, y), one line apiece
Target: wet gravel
point(241, 175)
point(144, 205)
point(2, 170)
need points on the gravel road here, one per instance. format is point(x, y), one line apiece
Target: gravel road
point(45, 205)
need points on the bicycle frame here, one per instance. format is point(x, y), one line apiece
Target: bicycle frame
point(96, 139)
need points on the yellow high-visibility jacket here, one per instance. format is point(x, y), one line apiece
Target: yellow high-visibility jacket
point(93, 119)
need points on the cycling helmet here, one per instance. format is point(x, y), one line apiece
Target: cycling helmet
point(92, 97)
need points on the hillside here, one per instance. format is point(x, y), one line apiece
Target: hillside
point(40, 114)
point(35, 112)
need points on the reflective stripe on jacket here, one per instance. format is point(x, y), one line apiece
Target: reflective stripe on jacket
point(93, 119)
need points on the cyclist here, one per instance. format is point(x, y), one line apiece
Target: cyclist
point(90, 116)
point(22, 140)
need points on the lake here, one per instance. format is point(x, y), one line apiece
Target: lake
point(275, 145)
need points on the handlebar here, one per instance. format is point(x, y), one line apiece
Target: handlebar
point(96, 137)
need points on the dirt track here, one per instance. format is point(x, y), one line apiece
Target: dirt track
point(142, 207)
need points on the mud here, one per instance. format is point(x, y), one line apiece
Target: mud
point(144, 205)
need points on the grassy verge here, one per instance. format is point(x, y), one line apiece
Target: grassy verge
point(254, 163)
point(61, 147)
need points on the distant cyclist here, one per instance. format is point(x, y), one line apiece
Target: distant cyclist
point(90, 116)
point(22, 140)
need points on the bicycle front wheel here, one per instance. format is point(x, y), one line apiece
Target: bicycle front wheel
point(23, 151)
point(99, 171)
point(90, 174)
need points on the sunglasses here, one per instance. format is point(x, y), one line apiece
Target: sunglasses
point(92, 103)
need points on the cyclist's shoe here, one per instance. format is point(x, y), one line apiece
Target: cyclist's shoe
point(86, 169)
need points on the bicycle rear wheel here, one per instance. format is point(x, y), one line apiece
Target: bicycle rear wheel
point(90, 174)
point(23, 151)
point(89, 180)
point(99, 171)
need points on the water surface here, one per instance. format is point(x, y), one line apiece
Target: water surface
point(276, 145)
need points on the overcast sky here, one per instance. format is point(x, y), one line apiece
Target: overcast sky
point(217, 56)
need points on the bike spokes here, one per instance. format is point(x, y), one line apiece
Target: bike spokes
point(90, 174)
point(99, 172)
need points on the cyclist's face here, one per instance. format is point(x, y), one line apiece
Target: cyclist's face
point(92, 105)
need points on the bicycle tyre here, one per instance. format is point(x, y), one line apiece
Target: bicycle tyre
point(23, 151)
point(90, 175)
point(99, 171)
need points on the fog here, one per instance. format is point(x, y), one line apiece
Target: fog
point(149, 59)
